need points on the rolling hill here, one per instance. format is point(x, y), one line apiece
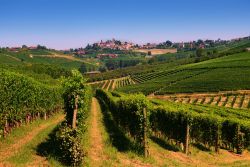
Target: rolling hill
point(220, 74)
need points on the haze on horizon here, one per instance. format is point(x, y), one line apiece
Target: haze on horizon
point(64, 24)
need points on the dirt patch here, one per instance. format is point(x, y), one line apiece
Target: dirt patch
point(109, 85)
point(246, 101)
point(238, 103)
point(230, 101)
point(156, 51)
point(103, 86)
point(114, 85)
point(69, 57)
point(204, 94)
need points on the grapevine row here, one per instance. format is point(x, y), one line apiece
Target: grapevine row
point(211, 127)
point(23, 99)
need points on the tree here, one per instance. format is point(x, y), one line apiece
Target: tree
point(83, 68)
point(112, 64)
point(199, 52)
point(118, 42)
point(168, 43)
point(103, 69)
point(41, 47)
point(24, 47)
point(215, 51)
point(199, 42)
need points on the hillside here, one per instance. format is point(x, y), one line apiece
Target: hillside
point(42, 57)
point(175, 126)
point(220, 74)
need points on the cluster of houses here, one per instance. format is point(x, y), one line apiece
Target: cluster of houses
point(120, 45)
point(115, 44)
point(148, 46)
point(205, 43)
point(17, 49)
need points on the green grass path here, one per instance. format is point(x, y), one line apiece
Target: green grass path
point(19, 148)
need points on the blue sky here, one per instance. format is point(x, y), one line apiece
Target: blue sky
point(66, 24)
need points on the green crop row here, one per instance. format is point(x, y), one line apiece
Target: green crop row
point(169, 78)
point(127, 112)
point(210, 126)
point(77, 101)
point(22, 98)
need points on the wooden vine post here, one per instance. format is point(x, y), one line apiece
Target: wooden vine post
point(145, 142)
point(187, 138)
point(45, 116)
point(239, 143)
point(217, 141)
point(6, 127)
point(75, 113)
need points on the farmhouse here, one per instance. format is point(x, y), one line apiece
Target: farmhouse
point(14, 49)
point(32, 48)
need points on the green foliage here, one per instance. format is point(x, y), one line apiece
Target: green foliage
point(221, 74)
point(21, 95)
point(127, 111)
point(39, 57)
point(54, 71)
point(69, 143)
point(83, 68)
point(74, 87)
point(158, 80)
point(69, 139)
point(230, 127)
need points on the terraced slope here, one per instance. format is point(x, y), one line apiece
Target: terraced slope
point(232, 99)
point(113, 83)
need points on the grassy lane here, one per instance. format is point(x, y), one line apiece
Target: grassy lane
point(117, 150)
point(96, 145)
point(108, 146)
point(20, 147)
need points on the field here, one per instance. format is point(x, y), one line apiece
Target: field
point(68, 62)
point(156, 51)
point(221, 74)
point(229, 99)
point(183, 112)
point(112, 84)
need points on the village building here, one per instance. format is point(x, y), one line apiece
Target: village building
point(14, 49)
point(32, 48)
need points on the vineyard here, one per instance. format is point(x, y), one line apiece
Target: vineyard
point(113, 83)
point(207, 76)
point(183, 124)
point(24, 100)
point(176, 113)
point(124, 83)
point(232, 99)
point(188, 121)
point(42, 57)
